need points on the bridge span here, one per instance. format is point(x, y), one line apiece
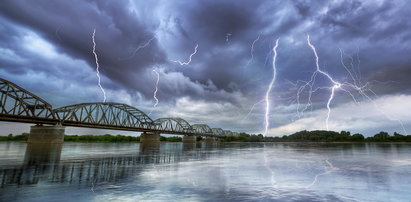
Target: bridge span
point(19, 105)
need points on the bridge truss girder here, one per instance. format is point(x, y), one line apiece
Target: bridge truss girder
point(20, 105)
point(202, 129)
point(173, 124)
point(218, 132)
point(228, 133)
point(107, 115)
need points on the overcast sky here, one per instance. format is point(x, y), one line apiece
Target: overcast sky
point(46, 47)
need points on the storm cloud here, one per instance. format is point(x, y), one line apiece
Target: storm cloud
point(46, 47)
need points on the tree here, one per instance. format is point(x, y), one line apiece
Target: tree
point(381, 136)
point(397, 134)
point(357, 137)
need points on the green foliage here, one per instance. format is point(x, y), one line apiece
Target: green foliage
point(10, 137)
point(385, 137)
point(320, 136)
point(171, 139)
point(357, 137)
point(381, 136)
point(112, 138)
point(100, 138)
point(301, 136)
point(91, 138)
point(243, 137)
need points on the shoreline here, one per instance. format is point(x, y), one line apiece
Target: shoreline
point(374, 142)
point(329, 142)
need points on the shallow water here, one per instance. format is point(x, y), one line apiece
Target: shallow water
point(205, 172)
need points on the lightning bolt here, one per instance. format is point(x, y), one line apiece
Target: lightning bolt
point(98, 66)
point(189, 59)
point(345, 86)
point(269, 169)
point(252, 108)
point(328, 169)
point(335, 86)
point(270, 86)
point(156, 88)
point(92, 186)
point(140, 47)
point(345, 67)
point(252, 50)
point(155, 91)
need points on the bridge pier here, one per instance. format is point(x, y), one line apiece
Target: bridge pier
point(42, 154)
point(149, 137)
point(189, 139)
point(46, 134)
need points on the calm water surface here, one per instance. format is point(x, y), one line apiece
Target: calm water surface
point(205, 172)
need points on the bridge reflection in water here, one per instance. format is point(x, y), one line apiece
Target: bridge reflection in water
point(42, 163)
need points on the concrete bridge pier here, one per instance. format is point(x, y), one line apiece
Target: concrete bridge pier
point(149, 147)
point(150, 137)
point(189, 139)
point(43, 154)
point(46, 134)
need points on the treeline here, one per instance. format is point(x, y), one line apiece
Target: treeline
point(113, 138)
point(92, 138)
point(302, 136)
point(10, 137)
point(321, 136)
point(100, 138)
point(171, 139)
point(244, 137)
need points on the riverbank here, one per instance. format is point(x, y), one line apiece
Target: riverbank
point(92, 138)
point(313, 143)
point(299, 137)
point(320, 136)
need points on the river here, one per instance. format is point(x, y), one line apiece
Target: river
point(205, 172)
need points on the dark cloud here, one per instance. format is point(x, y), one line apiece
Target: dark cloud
point(393, 79)
point(303, 7)
point(353, 19)
point(69, 26)
point(213, 20)
point(48, 45)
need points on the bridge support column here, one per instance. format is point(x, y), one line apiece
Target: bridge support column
point(189, 139)
point(46, 134)
point(148, 137)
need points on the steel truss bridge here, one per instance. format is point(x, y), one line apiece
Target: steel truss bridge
point(20, 105)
